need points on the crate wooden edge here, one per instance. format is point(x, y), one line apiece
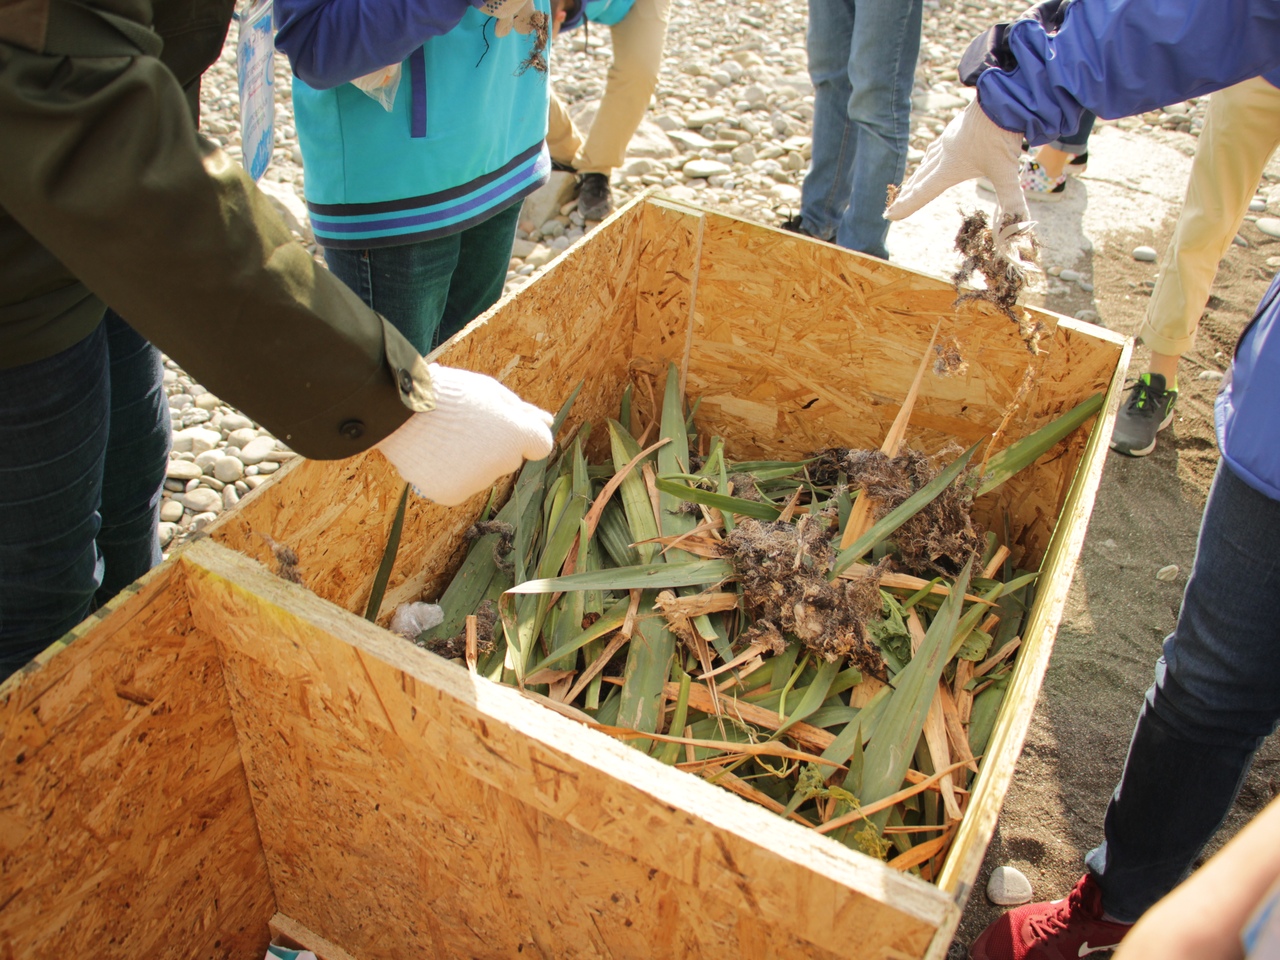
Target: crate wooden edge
point(1014, 719)
point(748, 830)
point(102, 655)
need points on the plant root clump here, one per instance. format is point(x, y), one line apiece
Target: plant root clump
point(783, 570)
point(455, 647)
point(939, 539)
point(1004, 277)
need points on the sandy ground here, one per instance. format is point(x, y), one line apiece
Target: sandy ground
point(1147, 513)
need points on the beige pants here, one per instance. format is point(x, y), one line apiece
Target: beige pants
point(637, 55)
point(1240, 134)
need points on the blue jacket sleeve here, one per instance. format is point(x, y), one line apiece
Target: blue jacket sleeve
point(1121, 57)
point(331, 42)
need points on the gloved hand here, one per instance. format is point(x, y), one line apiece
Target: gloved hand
point(510, 15)
point(971, 146)
point(479, 431)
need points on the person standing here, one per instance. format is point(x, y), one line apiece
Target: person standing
point(1216, 691)
point(109, 195)
point(415, 202)
point(1241, 132)
point(638, 29)
point(862, 60)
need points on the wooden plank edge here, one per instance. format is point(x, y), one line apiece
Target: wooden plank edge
point(718, 808)
point(1016, 711)
point(1051, 318)
point(59, 658)
point(303, 938)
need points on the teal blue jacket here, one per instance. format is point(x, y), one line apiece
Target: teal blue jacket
point(465, 137)
point(608, 12)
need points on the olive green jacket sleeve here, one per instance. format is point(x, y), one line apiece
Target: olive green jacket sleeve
point(107, 194)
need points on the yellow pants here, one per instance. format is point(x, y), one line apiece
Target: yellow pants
point(637, 55)
point(1240, 133)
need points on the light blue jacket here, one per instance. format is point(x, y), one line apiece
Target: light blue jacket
point(463, 140)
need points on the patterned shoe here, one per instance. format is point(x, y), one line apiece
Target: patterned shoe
point(1067, 929)
point(1036, 184)
point(1077, 165)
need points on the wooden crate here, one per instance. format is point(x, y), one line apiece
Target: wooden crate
point(220, 753)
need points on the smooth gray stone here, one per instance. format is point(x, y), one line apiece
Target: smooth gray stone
point(1008, 887)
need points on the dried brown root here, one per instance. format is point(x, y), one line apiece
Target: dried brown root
point(940, 538)
point(744, 487)
point(950, 360)
point(1003, 276)
point(286, 559)
point(541, 24)
point(455, 647)
point(783, 571)
point(502, 547)
point(764, 633)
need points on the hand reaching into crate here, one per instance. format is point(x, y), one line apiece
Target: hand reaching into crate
point(971, 146)
point(479, 431)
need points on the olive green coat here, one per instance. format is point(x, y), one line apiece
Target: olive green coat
point(109, 196)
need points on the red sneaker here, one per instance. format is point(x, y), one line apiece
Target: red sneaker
point(1066, 929)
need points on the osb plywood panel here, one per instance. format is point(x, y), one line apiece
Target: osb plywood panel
point(1033, 657)
point(126, 828)
point(569, 326)
point(409, 810)
point(797, 345)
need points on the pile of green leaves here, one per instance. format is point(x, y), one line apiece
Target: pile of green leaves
point(610, 591)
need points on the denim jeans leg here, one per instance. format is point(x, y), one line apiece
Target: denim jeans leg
point(1078, 142)
point(882, 65)
point(137, 455)
point(825, 192)
point(54, 424)
point(407, 284)
point(1216, 697)
point(483, 257)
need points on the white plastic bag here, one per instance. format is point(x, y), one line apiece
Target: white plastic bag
point(381, 85)
point(255, 74)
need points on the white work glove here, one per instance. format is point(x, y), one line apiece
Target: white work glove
point(479, 431)
point(510, 15)
point(971, 146)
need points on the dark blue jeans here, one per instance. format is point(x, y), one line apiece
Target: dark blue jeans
point(862, 60)
point(1078, 142)
point(84, 440)
point(1216, 697)
point(432, 289)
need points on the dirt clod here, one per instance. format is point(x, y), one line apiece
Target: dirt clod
point(783, 570)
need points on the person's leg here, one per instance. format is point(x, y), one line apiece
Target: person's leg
point(563, 139)
point(407, 284)
point(882, 64)
point(483, 257)
point(137, 455)
point(54, 423)
point(1215, 698)
point(638, 40)
point(1055, 158)
point(1241, 131)
point(827, 184)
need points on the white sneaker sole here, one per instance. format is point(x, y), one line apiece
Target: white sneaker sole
point(1149, 448)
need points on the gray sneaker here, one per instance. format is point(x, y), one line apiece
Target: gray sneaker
point(595, 199)
point(1148, 410)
